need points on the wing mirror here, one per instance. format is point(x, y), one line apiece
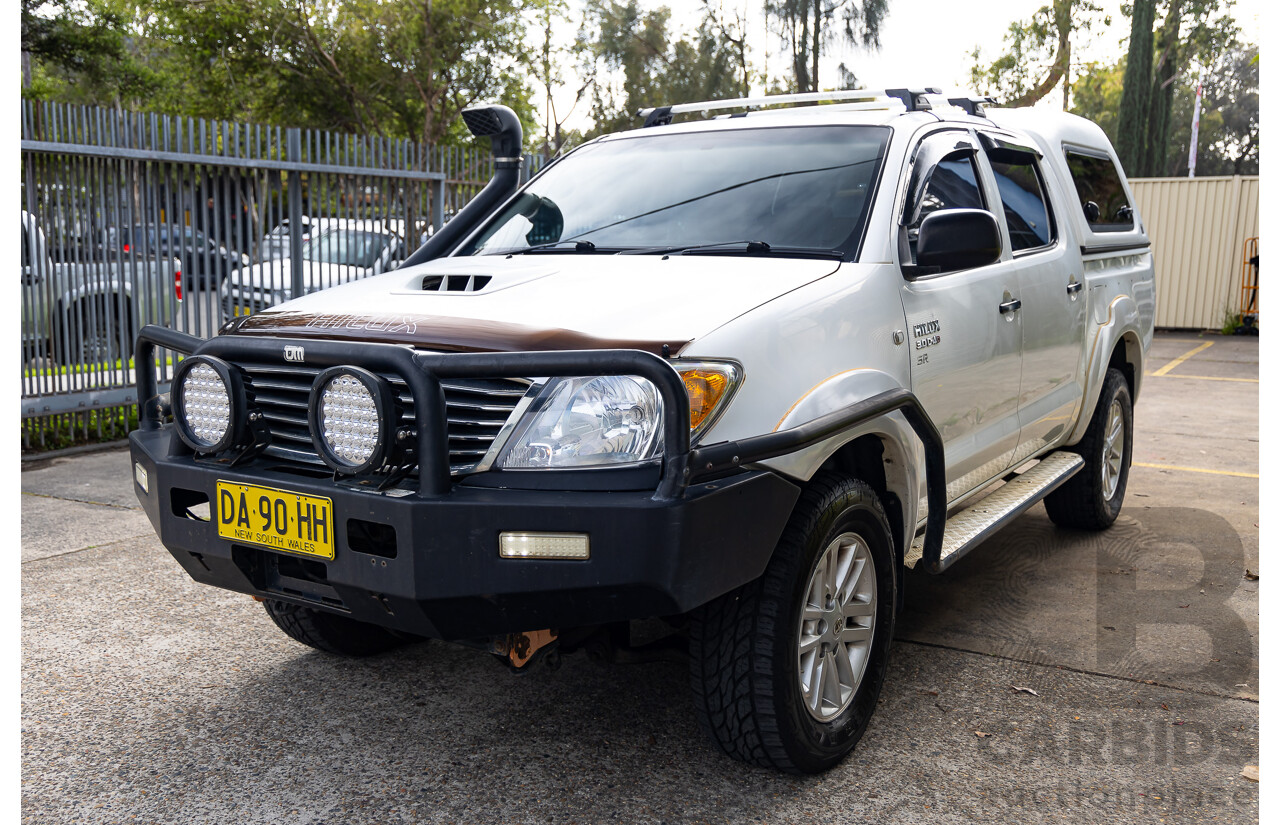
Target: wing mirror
point(953, 239)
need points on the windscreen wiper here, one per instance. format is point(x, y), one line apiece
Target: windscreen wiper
point(565, 246)
point(742, 248)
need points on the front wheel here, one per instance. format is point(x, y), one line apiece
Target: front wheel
point(787, 669)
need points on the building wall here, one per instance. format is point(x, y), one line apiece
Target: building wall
point(1198, 228)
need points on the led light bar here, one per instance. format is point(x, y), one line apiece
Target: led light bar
point(544, 546)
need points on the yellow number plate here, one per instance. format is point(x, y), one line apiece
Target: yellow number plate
point(278, 519)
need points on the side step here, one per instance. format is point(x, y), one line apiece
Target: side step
point(974, 525)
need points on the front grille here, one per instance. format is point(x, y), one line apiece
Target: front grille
point(477, 410)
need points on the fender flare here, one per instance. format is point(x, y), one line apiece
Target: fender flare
point(1120, 327)
point(904, 476)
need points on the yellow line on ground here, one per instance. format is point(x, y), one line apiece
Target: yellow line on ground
point(1195, 470)
point(1175, 362)
point(1205, 377)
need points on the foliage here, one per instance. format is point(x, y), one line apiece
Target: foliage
point(1037, 54)
point(1135, 98)
point(1231, 322)
point(1228, 117)
point(1190, 31)
point(390, 67)
point(546, 65)
point(632, 59)
point(79, 53)
point(807, 27)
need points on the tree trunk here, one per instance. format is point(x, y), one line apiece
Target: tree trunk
point(1135, 100)
point(817, 44)
point(1061, 67)
point(1166, 71)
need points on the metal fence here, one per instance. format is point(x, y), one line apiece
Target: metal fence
point(132, 218)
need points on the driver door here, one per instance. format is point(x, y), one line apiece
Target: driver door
point(963, 328)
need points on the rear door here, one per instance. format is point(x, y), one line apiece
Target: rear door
point(966, 351)
point(1051, 287)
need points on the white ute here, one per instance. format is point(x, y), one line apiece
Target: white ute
point(731, 372)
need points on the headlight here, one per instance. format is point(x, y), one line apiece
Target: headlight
point(612, 420)
point(353, 416)
point(208, 404)
point(589, 422)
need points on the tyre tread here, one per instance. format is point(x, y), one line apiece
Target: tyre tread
point(730, 646)
point(1078, 503)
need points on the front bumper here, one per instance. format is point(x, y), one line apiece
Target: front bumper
point(442, 576)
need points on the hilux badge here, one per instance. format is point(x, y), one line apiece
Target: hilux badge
point(293, 353)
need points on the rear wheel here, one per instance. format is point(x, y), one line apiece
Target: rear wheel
point(332, 633)
point(1091, 499)
point(787, 669)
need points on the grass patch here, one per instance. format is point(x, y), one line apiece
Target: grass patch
point(95, 426)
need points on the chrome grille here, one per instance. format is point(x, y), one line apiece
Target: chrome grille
point(477, 410)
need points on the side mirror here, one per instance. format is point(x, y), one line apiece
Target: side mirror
point(1091, 212)
point(953, 239)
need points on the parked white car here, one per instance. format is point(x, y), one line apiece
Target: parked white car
point(739, 373)
point(336, 251)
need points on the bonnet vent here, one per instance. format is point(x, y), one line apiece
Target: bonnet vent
point(455, 283)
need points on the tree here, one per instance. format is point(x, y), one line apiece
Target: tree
point(396, 67)
point(807, 28)
point(78, 52)
point(632, 60)
point(545, 66)
point(1135, 101)
point(1037, 54)
point(403, 68)
point(1191, 30)
point(1228, 121)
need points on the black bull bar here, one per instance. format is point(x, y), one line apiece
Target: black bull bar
point(422, 372)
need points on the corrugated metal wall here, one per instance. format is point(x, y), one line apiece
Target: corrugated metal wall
point(1198, 227)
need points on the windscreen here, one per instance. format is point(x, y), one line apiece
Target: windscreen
point(804, 187)
point(347, 247)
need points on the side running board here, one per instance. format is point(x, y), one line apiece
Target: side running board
point(973, 525)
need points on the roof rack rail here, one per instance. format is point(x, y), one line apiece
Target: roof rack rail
point(913, 100)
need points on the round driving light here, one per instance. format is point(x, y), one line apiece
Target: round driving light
point(208, 404)
point(353, 416)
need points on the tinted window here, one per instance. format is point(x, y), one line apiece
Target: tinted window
point(805, 187)
point(1025, 208)
point(1101, 194)
point(953, 185)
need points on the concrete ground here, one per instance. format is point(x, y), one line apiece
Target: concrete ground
point(1050, 676)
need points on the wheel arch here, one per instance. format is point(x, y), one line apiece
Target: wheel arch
point(1117, 342)
point(885, 452)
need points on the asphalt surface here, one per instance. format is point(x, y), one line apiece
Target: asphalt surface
point(149, 698)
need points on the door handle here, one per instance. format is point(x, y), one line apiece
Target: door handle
point(1010, 306)
point(1074, 287)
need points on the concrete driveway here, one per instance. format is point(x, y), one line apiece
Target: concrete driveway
point(1049, 676)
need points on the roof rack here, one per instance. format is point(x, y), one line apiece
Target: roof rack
point(912, 99)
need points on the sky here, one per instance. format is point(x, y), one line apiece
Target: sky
point(923, 42)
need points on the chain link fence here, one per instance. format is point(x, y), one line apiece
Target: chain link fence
point(133, 218)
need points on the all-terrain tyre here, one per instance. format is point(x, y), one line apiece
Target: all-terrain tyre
point(786, 669)
point(1091, 499)
point(332, 633)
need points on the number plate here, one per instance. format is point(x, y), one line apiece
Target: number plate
point(278, 519)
